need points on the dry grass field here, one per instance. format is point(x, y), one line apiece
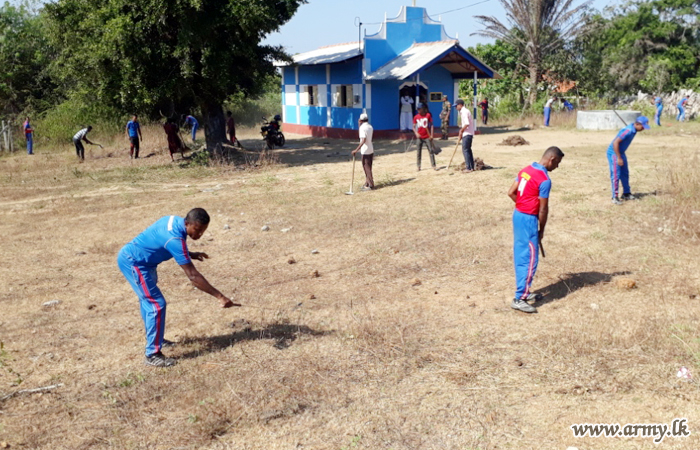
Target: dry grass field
point(404, 340)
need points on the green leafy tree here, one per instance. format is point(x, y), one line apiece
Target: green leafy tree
point(505, 59)
point(644, 44)
point(24, 55)
point(169, 55)
point(536, 28)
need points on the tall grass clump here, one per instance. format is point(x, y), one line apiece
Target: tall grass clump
point(59, 124)
point(682, 184)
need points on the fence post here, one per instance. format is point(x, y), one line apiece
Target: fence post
point(12, 143)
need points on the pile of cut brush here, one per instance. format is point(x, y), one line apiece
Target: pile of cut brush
point(514, 141)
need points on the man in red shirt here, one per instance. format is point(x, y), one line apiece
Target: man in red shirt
point(530, 192)
point(423, 129)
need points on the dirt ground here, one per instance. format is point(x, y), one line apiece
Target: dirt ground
point(405, 340)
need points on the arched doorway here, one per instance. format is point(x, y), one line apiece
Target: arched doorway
point(408, 90)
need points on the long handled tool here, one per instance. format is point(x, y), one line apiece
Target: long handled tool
point(542, 249)
point(453, 155)
point(352, 180)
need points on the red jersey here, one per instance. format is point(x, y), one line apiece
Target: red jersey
point(423, 122)
point(533, 184)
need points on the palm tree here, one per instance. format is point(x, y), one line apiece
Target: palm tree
point(537, 28)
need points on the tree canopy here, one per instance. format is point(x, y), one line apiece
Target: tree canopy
point(166, 55)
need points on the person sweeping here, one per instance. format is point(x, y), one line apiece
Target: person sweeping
point(530, 192)
point(366, 149)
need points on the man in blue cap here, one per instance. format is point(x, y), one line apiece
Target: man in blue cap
point(659, 104)
point(617, 160)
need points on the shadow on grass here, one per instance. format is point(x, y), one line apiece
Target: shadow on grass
point(386, 184)
point(500, 129)
point(282, 334)
point(572, 282)
point(641, 195)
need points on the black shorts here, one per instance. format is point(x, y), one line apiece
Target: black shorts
point(135, 142)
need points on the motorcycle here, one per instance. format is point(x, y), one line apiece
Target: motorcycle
point(271, 132)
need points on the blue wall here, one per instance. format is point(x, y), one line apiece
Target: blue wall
point(312, 74)
point(290, 114)
point(345, 118)
point(400, 36)
point(289, 77)
point(348, 72)
point(313, 115)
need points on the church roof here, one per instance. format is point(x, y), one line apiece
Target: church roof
point(448, 54)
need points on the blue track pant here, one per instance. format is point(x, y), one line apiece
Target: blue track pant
point(143, 281)
point(525, 248)
point(547, 115)
point(619, 174)
point(681, 114)
point(657, 116)
point(30, 144)
point(194, 131)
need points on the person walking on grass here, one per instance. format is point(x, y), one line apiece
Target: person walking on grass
point(366, 149)
point(659, 104)
point(530, 192)
point(175, 144)
point(29, 136)
point(548, 110)
point(681, 108)
point(484, 110)
point(466, 135)
point(423, 130)
point(133, 132)
point(192, 122)
point(231, 128)
point(81, 136)
point(139, 259)
point(445, 118)
point(617, 159)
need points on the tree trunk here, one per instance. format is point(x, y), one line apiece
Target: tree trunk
point(214, 125)
point(534, 79)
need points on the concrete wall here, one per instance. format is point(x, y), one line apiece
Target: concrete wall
point(605, 119)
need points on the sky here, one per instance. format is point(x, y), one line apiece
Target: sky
point(327, 22)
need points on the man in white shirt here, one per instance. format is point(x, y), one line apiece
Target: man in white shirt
point(81, 136)
point(548, 110)
point(366, 149)
point(466, 134)
point(406, 116)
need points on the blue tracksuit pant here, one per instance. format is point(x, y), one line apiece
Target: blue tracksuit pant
point(547, 115)
point(525, 247)
point(657, 116)
point(194, 131)
point(681, 114)
point(30, 144)
point(619, 174)
point(143, 281)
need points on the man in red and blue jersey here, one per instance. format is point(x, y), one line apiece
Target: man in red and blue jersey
point(617, 159)
point(29, 135)
point(530, 192)
point(138, 261)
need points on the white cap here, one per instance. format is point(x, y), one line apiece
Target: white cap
point(363, 117)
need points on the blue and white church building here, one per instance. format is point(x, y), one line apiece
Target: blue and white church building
point(326, 90)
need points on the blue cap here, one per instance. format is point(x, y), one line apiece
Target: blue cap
point(643, 121)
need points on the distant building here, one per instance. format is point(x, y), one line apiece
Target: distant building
point(326, 90)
